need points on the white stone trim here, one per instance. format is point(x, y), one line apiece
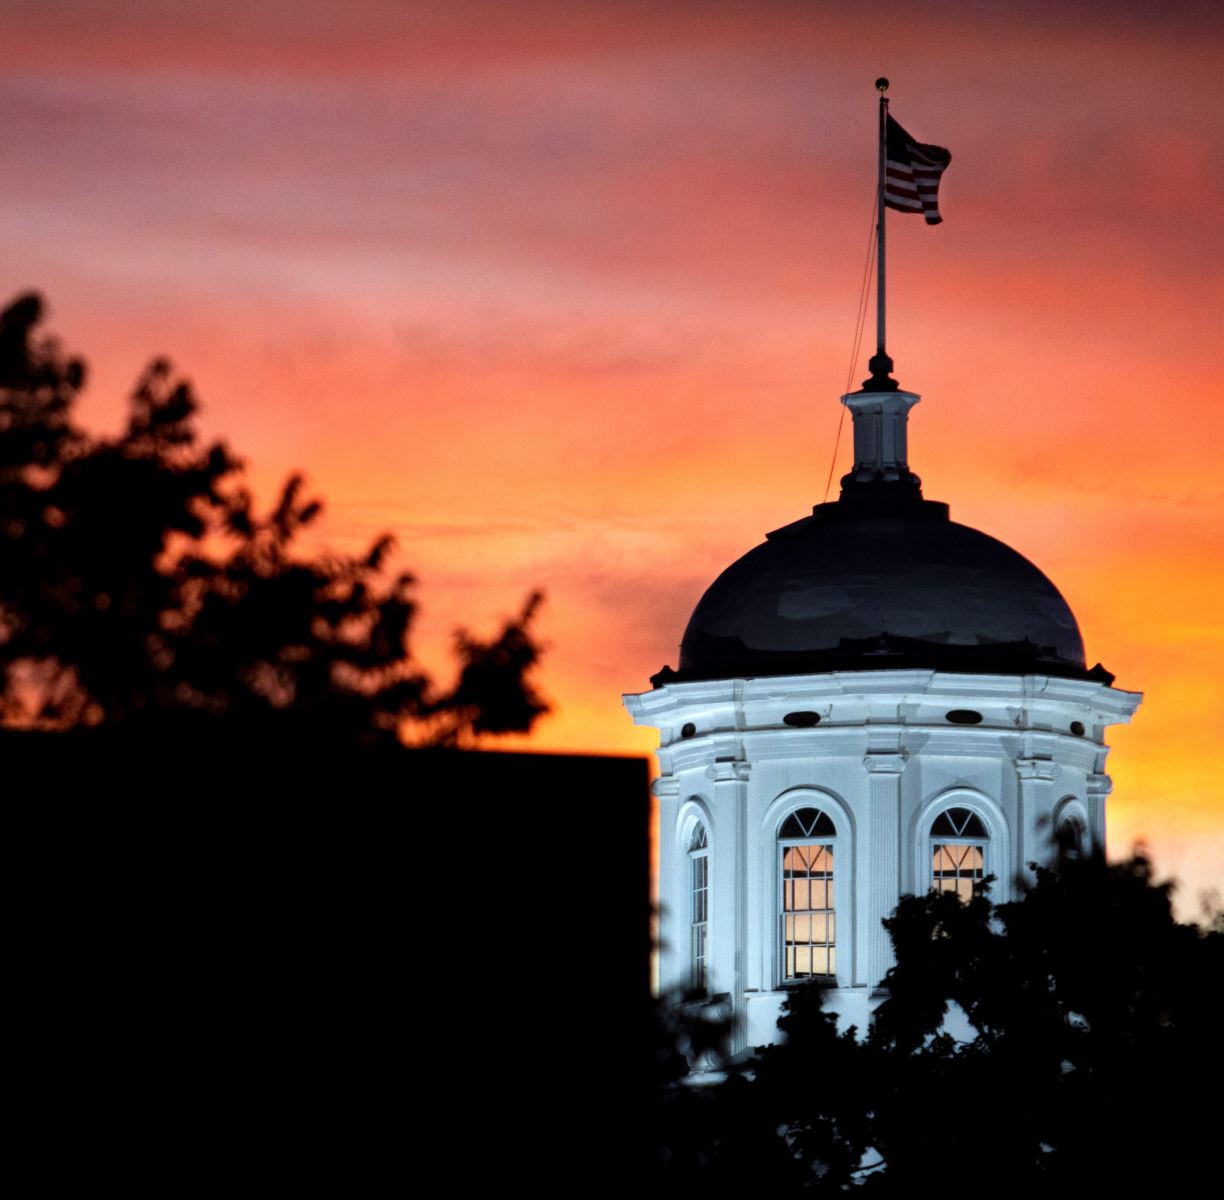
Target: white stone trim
point(695, 808)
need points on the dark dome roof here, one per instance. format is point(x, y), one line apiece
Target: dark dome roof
point(872, 586)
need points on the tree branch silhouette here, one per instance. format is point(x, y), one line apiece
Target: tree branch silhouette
point(143, 586)
point(1062, 1043)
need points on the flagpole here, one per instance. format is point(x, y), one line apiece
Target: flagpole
point(882, 86)
point(908, 180)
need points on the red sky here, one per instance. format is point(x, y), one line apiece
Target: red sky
point(562, 294)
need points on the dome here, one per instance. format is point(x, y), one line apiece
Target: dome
point(870, 586)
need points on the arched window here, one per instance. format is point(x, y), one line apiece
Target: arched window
point(1070, 836)
point(699, 909)
point(958, 852)
point(807, 919)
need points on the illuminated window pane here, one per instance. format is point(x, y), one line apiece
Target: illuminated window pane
point(958, 852)
point(699, 912)
point(803, 896)
point(807, 918)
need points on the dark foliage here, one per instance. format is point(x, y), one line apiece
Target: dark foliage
point(1067, 1043)
point(140, 586)
point(708, 1130)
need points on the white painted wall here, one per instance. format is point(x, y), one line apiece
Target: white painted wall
point(882, 762)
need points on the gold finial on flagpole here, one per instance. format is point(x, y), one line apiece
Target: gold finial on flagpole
point(881, 84)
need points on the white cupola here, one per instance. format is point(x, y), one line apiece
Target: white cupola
point(874, 701)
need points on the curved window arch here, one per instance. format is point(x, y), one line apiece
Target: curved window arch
point(1070, 828)
point(1070, 837)
point(699, 904)
point(807, 917)
point(960, 843)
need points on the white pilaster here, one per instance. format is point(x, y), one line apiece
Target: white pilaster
point(1098, 788)
point(729, 901)
point(883, 837)
point(1035, 812)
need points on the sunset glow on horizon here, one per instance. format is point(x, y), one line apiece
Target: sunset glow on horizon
point(562, 296)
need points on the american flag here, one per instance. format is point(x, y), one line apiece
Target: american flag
point(911, 177)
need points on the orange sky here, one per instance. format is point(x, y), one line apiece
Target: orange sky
point(562, 294)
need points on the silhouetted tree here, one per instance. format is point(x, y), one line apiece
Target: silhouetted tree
point(1094, 1018)
point(1069, 1042)
point(140, 585)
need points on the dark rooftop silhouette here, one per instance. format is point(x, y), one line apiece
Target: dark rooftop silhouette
point(881, 581)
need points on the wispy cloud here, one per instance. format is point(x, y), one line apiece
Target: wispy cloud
point(563, 294)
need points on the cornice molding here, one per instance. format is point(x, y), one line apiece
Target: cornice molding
point(728, 770)
point(887, 762)
point(665, 786)
point(1036, 768)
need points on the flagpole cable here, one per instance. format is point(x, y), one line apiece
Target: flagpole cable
point(860, 325)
